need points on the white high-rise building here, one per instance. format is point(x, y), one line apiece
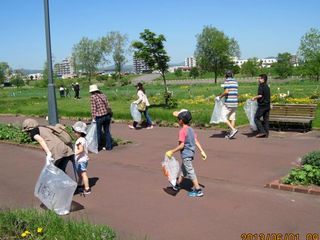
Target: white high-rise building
point(140, 66)
point(65, 69)
point(190, 62)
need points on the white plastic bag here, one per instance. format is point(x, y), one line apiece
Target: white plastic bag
point(250, 109)
point(171, 169)
point(92, 137)
point(55, 189)
point(217, 116)
point(135, 114)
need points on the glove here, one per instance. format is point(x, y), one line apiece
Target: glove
point(169, 154)
point(49, 158)
point(203, 155)
point(217, 98)
point(93, 120)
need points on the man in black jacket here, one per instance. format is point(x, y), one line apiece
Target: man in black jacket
point(263, 99)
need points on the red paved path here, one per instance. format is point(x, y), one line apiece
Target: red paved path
point(129, 193)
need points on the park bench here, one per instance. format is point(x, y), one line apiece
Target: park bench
point(285, 115)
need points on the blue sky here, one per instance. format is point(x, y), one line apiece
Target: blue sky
point(262, 28)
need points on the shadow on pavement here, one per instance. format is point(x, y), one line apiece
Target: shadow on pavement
point(250, 134)
point(219, 135)
point(75, 206)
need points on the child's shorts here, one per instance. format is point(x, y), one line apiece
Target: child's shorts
point(82, 166)
point(187, 169)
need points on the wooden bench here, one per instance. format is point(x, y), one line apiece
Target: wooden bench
point(293, 114)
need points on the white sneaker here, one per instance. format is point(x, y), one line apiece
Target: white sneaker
point(131, 127)
point(233, 133)
point(150, 127)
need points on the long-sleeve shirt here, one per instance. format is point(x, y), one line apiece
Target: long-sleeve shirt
point(99, 105)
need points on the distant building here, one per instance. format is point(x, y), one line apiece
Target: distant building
point(35, 76)
point(65, 69)
point(238, 61)
point(190, 62)
point(140, 66)
point(294, 60)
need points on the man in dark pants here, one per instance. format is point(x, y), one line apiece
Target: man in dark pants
point(263, 99)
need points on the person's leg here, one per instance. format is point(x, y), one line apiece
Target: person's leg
point(148, 118)
point(266, 120)
point(85, 180)
point(99, 121)
point(106, 128)
point(258, 122)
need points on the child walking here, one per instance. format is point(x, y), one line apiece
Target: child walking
point(187, 142)
point(81, 154)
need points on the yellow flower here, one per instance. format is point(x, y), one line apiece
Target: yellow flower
point(39, 230)
point(25, 233)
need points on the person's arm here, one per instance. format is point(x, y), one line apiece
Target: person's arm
point(42, 143)
point(260, 94)
point(172, 151)
point(256, 97)
point(93, 108)
point(79, 149)
point(203, 154)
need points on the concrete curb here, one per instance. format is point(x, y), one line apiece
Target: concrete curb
point(276, 184)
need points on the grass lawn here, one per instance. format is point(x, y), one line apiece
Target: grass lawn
point(197, 98)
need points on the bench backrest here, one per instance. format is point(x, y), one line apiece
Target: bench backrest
point(294, 110)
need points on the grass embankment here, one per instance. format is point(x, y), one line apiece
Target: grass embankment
point(33, 224)
point(197, 98)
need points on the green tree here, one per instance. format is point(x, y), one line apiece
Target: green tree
point(251, 67)
point(214, 50)
point(178, 72)
point(284, 66)
point(194, 72)
point(151, 51)
point(309, 53)
point(87, 55)
point(17, 81)
point(116, 43)
point(4, 70)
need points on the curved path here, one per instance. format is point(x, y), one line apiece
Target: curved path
point(130, 191)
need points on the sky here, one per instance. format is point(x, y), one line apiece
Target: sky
point(261, 28)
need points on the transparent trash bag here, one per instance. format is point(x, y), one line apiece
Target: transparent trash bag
point(217, 116)
point(55, 189)
point(92, 138)
point(250, 108)
point(135, 114)
point(171, 169)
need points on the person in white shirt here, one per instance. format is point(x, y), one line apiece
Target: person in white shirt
point(143, 105)
point(81, 154)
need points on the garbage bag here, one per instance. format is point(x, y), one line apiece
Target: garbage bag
point(92, 137)
point(171, 169)
point(135, 114)
point(250, 108)
point(217, 116)
point(55, 189)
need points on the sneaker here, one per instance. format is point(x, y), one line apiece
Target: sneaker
point(86, 191)
point(233, 133)
point(196, 193)
point(227, 136)
point(131, 127)
point(176, 187)
point(150, 127)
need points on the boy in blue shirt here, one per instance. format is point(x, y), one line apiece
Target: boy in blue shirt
point(187, 143)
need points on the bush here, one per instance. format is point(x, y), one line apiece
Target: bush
point(12, 133)
point(305, 175)
point(311, 158)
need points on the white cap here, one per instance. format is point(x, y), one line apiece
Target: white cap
point(93, 88)
point(80, 127)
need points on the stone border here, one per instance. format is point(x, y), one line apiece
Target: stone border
point(276, 184)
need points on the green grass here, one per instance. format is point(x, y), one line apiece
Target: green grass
point(197, 98)
point(33, 224)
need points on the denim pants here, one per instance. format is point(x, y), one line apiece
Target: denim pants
point(148, 118)
point(262, 111)
point(103, 122)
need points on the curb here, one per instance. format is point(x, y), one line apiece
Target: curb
point(276, 184)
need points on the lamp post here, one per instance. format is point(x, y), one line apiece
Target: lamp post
point(52, 102)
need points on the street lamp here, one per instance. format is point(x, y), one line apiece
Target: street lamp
point(52, 102)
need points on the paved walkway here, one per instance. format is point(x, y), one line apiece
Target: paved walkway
point(130, 191)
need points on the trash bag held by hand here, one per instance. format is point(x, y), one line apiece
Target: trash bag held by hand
point(250, 109)
point(171, 169)
point(55, 189)
point(217, 116)
point(92, 137)
point(135, 114)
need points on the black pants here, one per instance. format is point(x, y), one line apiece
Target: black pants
point(67, 164)
point(262, 111)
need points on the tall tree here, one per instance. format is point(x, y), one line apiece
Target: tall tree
point(309, 52)
point(4, 70)
point(87, 55)
point(283, 67)
point(151, 51)
point(214, 50)
point(116, 43)
point(251, 67)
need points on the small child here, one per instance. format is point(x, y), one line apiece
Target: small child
point(187, 142)
point(81, 154)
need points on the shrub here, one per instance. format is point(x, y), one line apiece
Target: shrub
point(12, 133)
point(305, 175)
point(311, 158)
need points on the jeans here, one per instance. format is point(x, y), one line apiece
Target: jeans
point(103, 122)
point(148, 118)
point(262, 111)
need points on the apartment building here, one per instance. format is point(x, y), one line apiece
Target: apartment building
point(140, 66)
point(190, 62)
point(65, 69)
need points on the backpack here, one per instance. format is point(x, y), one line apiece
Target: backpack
point(60, 131)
